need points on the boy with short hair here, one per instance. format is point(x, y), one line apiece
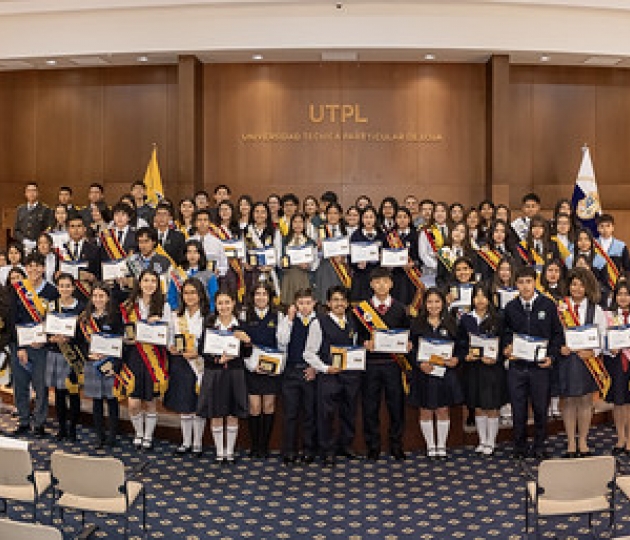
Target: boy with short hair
point(530, 207)
point(615, 249)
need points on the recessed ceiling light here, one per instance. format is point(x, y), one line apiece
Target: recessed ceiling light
point(51, 62)
point(257, 57)
point(143, 58)
point(429, 57)
point(545, 58)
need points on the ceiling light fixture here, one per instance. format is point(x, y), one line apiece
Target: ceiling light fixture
point(545, 58)
point(257, 57)
point(143, 58)
point(429, 57)
point(51, 62)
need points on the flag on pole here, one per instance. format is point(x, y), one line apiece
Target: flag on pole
point(153, 180)
point(585, 201)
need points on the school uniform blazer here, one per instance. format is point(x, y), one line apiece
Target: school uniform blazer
point(174, 245)
point(91, 254)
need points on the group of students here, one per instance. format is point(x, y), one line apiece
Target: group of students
point(202, 272)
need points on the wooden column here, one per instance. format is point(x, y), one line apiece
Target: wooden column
point(190, 124)
point(497, 128)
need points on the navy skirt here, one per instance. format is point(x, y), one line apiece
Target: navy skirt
point(574, 378)
point(619, 393)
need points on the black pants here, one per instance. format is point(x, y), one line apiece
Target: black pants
point(298, 397)
point(63, 398)
point(336, 396)
point(98, 414)
point(529, 383)
point(379, 379)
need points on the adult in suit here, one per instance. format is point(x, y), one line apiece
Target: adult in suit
point(32, 218)
point(172, 240)
point(96, 196)
point(534, 315)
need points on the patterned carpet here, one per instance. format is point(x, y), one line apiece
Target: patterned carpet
point(466, 497)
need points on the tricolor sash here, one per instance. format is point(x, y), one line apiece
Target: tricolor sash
point(594, 364)
point(341, 268)
point(612, 272)
point(435, 237)
point(372, 321)
point(34, 305)
point(76, 360)
point(234, 262)
point(414, 274)
point(562, 249)
point(490, 256)
point(109, 241)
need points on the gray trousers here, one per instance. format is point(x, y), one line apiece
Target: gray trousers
point(34, 373)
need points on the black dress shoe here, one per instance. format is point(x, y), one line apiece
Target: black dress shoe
point(307, 459)
point(398, 454)
point(197, 453)
point(347, 453)
point(288, 460)
point(540, 454)
point(618, 450)
point(570, 455)
point(588, 453)
point(181, 450)
point(61, 435)
point(39, 432)
point(373, 455)
point(21, 430)
point(519, 454)
point(329, 461)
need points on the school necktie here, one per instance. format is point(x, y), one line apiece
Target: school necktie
point(161, 239)
point(342, 324)
point(120, 235)
point(625, 361)
point(305, 321)
point(382, 309)
point(501, 250)
point(443, 231)
point(75, 250)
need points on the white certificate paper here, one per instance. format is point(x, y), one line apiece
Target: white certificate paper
point(72, 267)
point(391, 341)
point(434, 347)
point(300, 255)
point(581, 338)
point(490, 345)
point(234, 248)
point(618, 338)
point(529, 348)
point(59, 238)
point(336, 247)
point(30, 334)
point(364, 252)
point(112, 270)
point(106, 344)
point(464, 295)
point(219, 342)
point(58, 324)
point(394, 257)
point(505, 296)
point(264, 256)
point(152, 333)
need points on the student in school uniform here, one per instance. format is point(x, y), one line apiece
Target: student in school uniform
point(504, 279)
point(564, 235)
point(534, 315)
point(616, 249)
point(369, 231)
point(121, 230)
point(60, 374)
point(51, 259)
point(186, 365)
point(149, 257)
point(577, 385)
point(298, 382)
point(78, 248)
point(530, 208)
point(387, 213)
point(146, 303)
point(485, 382)
point(223, 394)
point(383, 375)
point(537, 248)
point(226, 227)
point(433, 395)
point(584, 248)
point(337, 390)
point(617, 364)
point(457, 246)
point(461, 277)
point(101, 315)
point(432, 238)
point(261, 324)
point(496, 248)
point(169, 237)
point(405, 235)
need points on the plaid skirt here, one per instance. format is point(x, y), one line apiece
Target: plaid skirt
point(96, 385)
point(57, 369)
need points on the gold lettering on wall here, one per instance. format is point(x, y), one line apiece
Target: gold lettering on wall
point(333, 113)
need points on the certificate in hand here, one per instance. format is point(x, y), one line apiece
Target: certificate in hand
point(364, 252)
point(72, 267)
point(219, 342)
point(262, 257)
point(391, 341)
point(109, 345)
point(155, 333)
point(462, 294)
point(112, 270)
point(60, 324)
point(234, 248)
point(348, 358)
point(581, 338)
point(485, 345)
point(336, 247)
point(529, 348)
point(434, 350)
point(618, 338)
point(30, 334)
point(300, 255)
point(505, 296)
point(394, 257)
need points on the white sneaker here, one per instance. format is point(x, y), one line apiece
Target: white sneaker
point(431, 452)
point(488, 450)
point(480, 449)
point(441, 452)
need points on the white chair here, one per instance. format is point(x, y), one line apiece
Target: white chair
point(18, 481)
point(94, 484)
point(16, 530)
point(570, 487)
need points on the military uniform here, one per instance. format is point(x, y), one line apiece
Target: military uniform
point(31, 222)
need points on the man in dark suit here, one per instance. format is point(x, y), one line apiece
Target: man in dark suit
point(171, 240)
point(531, 315)
point(78, 248)
point(96, 195)
point(32, 218)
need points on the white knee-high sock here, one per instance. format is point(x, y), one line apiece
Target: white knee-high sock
point(493, 430)
point(149, 426)
point(217, 435)
point(442, 432)
point(199, 425)
point(426, 426)
point(482, 429)
point(232, 433)
point(186, 421)
point(137, 421)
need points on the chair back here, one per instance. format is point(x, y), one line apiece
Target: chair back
point(15, 467)
point(85, 476)
point(573, 479)
point(17, 530)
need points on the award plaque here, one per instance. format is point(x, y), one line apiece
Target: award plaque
point(475, 352)
point(286, 263)
point(338, 356)
point(180, 343)
point(130, 331)
point(268, 364)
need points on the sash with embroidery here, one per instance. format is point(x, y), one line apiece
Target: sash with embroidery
point(435, 238)
point(76, 360)
point(153, 357)
point(562, 249)
point(234, 262)
point(490, 256)
point(372, 321)
point(414, 274)
point(65, 255)
point(196, 364)
point(594, 364)
point(283, 226)
point(34, 305)
point(258, 244)
point(612, 272)
point(341, 268)
point(109, 241)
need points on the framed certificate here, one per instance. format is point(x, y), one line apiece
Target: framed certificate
point(105, 367)
point(581, 338)
point(30, 334)
point(336, 247)
point(618, 337)
point(394, 257)
point(262, 257)
point(484, 346)
point(462, 294)
point(391, 341)
point(60, 324)
point(109, 345)
point(435, 350)
point(300, 255)
point(155, 333)
point(184, 342)
point(529, 348)
point(218, 342)
point(505, 296)
point(348, 358)
point(367, 252)
point(270, 361)
point(234, 248)
point(112, 270)
point(72, 267)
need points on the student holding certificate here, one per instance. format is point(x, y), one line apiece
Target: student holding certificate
point(65, 361)
point(369, 231)
point(457, 245)
point(406, 236)
point(497, 248)
point(484, 374)
point(101, 315)
point(295, 276)
point(185, 366)
point(532, 315)
point(261, 325)
point(435, 386)
point(459, 287)
point(147, 362)
point(552, 280)
point(503, 283)
point(577, 384)
point(223, 393)
point(617, 363)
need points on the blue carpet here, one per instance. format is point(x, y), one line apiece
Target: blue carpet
point(467, 496)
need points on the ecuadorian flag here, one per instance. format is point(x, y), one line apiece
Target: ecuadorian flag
point(585, 201)
point(153, 180)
